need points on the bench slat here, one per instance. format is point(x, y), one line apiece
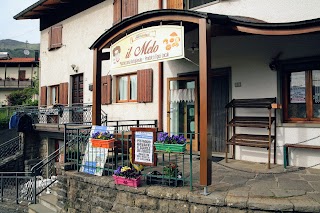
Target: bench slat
point(302, 146)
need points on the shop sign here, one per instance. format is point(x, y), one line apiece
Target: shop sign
point(149, 45)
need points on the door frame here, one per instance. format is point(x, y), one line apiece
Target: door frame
point(195, 145)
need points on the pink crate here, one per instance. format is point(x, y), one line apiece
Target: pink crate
point(127, 181)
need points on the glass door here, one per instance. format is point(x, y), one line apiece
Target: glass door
point(182, 108)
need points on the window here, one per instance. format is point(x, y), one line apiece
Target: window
point(55, 37)
point(127, 88)
point(196, 3)
point(124, 9)
point(54, 94)
point(302, 96)
point(22, 75)
point(187, 4)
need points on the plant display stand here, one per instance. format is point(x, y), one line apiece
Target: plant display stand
point(267, 122)
point(132, 182)
point(170, 147)
point(98, 143)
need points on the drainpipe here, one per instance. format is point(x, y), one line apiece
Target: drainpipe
point(160, 4)
point(160, 85)
point(160, 94)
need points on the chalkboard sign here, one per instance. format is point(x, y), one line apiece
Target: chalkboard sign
point(143, 146)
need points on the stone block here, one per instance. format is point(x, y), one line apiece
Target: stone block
point(304, 204)
point(213, 209)
point(194, 208)
point(215, 198)
point(178, 206)
point(231, 210)
point(126, 199)
point(105, 193)
point(163, 205)
point(100, 202)
point(129, 209)
point(270, 204)
point(145, 202)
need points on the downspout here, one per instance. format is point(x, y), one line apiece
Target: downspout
point(160, 93)
point(160, 87)
point(160, 4)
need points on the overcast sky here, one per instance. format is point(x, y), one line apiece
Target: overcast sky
point(21, 30)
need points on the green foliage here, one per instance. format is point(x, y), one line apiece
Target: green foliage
point(4, 120)
point(18, 97)
point(16, 48)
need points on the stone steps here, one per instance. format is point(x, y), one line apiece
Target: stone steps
point(46, 204)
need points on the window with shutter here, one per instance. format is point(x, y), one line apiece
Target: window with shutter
point(123, 9)
point(127, 88)
point(43, 96)
point(106, 89)
point(145, 86)
point(53, 94)
point(55, 37)
point(175, 4)
point(116, 11)
point(63, 93)
point(129, 8)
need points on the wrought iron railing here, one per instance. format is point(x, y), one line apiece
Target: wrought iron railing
point(16, 83)
point(11, 150)
point(58, 114)
point(107, 160)
point(18, 186)
point(124, 125)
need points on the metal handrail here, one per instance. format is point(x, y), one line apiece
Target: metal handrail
point(11, 148)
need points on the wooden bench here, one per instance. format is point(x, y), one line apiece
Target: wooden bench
point(300, 146)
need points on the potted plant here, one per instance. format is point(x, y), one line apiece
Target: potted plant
point(174, 143)
point(124, 175)
point(102, 139)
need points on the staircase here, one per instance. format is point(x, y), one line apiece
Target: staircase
point(47, 203)
point(11, 150)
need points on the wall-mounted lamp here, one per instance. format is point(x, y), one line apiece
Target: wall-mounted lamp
point(74, 67)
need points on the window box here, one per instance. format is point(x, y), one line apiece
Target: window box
point(99, 143)
point(132, 182)
point(170, 147)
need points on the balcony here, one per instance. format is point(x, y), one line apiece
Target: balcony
point(15, 83)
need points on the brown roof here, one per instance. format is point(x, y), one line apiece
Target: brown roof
point(17, 60)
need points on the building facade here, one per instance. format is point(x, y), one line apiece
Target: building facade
point(15, 74)
point(259, 49)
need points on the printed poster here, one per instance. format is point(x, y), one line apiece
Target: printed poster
point(94, 158)
point(143, 147)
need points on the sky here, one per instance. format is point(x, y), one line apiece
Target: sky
point(21, 30)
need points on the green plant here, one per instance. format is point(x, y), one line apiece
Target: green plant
point(4, 121)
point(126, 171)
point(174, 139)
point(171, 170)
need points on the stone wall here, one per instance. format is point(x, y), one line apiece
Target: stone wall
point(79, 192)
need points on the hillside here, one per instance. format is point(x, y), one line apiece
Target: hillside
point(16, 48)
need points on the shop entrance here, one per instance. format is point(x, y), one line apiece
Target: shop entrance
point(219, 92)
point(182, 108)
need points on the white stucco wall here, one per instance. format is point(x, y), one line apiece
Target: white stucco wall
point(267, 10)
point(78, 34)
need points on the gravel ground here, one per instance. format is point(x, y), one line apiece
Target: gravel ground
point(7, 207)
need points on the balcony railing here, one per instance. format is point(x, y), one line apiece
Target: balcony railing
point(59, 114)
point(15, 83)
